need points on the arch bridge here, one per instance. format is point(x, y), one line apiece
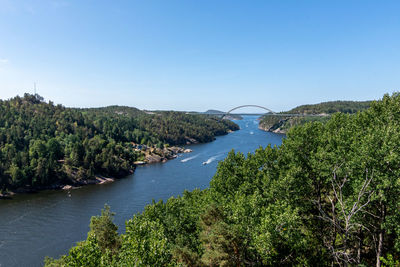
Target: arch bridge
point(246, 106)
point(269, 112)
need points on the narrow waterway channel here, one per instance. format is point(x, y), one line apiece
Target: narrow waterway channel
point(48, 223)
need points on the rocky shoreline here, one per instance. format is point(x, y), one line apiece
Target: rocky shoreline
point(98, 179)
point(275, 128)
point(270, 129)
point(155, 155)
point(151, 155)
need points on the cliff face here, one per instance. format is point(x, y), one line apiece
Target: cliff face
point(279, 124)
point(276, 127)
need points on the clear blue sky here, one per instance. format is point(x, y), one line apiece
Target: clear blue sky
point(195, 55)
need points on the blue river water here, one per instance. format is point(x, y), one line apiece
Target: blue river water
point(48, 223)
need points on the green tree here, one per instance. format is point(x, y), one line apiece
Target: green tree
point(222, 244)
point(105, 231)
point(16, 174)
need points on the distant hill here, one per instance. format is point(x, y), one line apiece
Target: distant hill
point(281, 124)
point(42, 144)
point(332, 107)
point(214, 111)
point(230, 116)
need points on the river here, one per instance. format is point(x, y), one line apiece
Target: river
point(48, 223)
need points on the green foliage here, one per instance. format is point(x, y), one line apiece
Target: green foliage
point(144, 244)
point(331, 107)
point(281, 238)
point(283, 124)
point(43, 145)
point(105, 231)
point(328, 196)
point(389, 261)
point(221, 242)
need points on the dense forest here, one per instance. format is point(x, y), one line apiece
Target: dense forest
point(222, 113)
point(282, 124)
point(332, 107)
point(42, 144)
point(328, 196)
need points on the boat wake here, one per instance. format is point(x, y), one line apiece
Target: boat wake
point(210, 160)
point(190, 158)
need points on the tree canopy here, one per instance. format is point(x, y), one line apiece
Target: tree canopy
point(283, 123)
point(42, 144)
point(329, 195)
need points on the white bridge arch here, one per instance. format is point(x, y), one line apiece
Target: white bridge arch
point(245, 106)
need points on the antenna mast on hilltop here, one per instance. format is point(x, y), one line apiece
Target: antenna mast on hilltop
point(34, 88)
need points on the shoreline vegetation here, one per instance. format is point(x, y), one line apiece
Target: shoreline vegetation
point(152, 156)
point(329, 195)
point(217, 113)
point(321, 112)
point(46, 146)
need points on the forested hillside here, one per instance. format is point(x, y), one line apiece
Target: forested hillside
point(329, 195)
point(230, 116)
point(42, 144)
point(282, 124)
point(332, 107)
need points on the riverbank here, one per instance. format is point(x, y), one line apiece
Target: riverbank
point(97, 179)
point(282, 125)
point(156, 155)
point(46, 144)
point(37, 218)
point(275, 128)
point(150, 154)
